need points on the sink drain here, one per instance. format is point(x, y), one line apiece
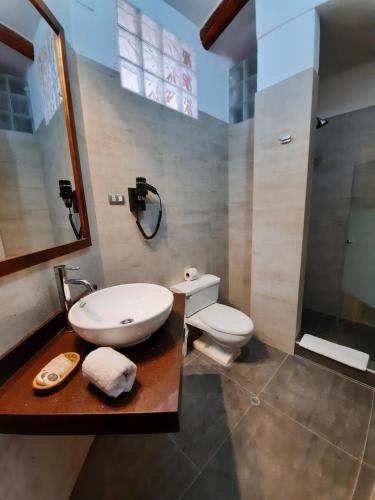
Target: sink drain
point(127, 321)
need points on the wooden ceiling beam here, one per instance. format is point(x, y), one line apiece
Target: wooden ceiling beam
point(17, 42)
point(220, 20)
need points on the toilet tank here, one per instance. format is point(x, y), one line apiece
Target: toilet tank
point(199, 293)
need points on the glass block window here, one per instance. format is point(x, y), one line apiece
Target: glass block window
point(242, 90)
point(154, 62)
point(49, 77)
point(15, 105)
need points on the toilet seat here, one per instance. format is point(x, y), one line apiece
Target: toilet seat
point(225, 330)
point(226, 319)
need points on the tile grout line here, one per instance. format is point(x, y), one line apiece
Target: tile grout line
point(368, 427)
point(363, 384)
point(236, 382)
point(252, 393)
point(190, 360)
point(186, 490)
point(183, 453)
point(273, 375)
point(212, 456)
point(200, 469)
point(372, 467)
point(357, 460)
point(313, 432)
point(364, 448)
point(213, 365)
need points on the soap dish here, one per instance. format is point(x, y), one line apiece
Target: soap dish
point(56, 371)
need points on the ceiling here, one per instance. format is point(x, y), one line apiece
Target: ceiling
point(12, 62)
point(238, 41)
point(20, 16)
point(347, 35)
point(198, 11)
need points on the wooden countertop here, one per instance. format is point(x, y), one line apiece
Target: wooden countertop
point(78, 407)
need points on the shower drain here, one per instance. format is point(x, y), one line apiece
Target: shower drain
point(127, 321)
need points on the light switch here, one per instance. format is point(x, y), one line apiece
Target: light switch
point(116, 199)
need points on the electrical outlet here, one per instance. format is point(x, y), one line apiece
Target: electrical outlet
point(116, 199)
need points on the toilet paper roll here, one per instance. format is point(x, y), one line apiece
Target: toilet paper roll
point(191, 274)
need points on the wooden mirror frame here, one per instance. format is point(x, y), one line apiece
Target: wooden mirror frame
point(17, 263)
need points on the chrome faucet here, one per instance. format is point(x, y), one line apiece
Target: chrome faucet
point(62, 280)
point(89, 286)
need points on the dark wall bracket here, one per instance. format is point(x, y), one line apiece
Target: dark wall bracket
point(137, 203)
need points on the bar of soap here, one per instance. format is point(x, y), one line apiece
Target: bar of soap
point(56, 371)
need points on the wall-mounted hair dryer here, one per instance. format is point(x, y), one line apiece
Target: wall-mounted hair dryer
point(137, 203)
point(69, 197)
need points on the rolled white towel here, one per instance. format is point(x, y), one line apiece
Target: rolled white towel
point(109, 370)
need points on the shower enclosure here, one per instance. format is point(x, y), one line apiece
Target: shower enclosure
point(339, 295)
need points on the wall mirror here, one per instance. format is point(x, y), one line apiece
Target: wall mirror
point(42, 206)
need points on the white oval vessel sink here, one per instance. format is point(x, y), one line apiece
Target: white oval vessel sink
point(122, 315)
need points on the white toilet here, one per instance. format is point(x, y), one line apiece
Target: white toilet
point(225, 329)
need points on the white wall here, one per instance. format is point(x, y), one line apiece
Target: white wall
point(62, 11)
point(33, 78)
point(348, 91)
point(271, 14)
point(94, 35)
point(91, 29)
point(288, 39)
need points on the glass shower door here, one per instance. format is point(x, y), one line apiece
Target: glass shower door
point(358, 282)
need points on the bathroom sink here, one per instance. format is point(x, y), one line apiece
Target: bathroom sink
point(122, 315)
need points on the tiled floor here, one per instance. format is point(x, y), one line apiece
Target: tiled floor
point(270, 427)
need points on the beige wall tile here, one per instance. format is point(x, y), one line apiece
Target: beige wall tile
point(279, 206)
point(40, 467)
point(128, 136)
point(240, 177)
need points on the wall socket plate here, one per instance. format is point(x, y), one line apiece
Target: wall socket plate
point(116, 199)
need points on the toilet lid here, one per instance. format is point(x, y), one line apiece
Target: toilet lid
point(226, 319)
